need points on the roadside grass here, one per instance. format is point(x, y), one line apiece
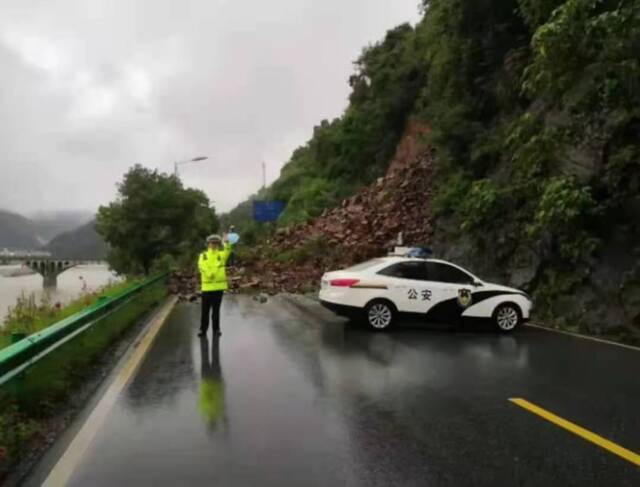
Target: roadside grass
point(29, 316)
point(31, 401)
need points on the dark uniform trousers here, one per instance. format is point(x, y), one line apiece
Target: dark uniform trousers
point(211, 301)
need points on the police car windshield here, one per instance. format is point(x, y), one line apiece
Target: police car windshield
point(364, 265)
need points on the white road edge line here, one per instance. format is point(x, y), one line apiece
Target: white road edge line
point(584, 337)
point(66, 465)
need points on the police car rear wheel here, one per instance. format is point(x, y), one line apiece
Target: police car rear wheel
point(507, 318)
point(379, 315)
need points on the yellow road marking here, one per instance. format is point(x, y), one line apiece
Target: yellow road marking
point(67, 464)
point(577, 430)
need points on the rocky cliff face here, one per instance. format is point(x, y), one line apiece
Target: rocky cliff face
point(601, 298)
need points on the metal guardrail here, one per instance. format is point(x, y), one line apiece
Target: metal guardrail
point(15, 358)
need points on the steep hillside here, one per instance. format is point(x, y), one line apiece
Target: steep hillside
point(49, 224)
point(81, 243)
point(365, 224)
point(17, 232)
point(533, 109)
point(360, 227)
point(353, 150)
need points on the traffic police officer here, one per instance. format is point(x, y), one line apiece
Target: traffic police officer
point(213, 278)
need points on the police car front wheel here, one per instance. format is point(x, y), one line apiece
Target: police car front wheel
point(507, 317)
point(380, 314)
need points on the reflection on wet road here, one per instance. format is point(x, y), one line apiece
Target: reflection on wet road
point(287, 398)
point(211, 386)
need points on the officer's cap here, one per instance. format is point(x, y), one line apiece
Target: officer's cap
point(214, 239)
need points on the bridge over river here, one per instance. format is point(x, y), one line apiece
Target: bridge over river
point(44, 264)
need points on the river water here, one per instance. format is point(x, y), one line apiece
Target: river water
point(71, 284)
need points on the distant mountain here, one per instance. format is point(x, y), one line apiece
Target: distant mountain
point(49, 224)
point(82, 243)
point(17, 232)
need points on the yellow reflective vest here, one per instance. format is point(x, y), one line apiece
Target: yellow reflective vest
point(212, 266)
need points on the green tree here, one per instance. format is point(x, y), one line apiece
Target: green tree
point(153, 218)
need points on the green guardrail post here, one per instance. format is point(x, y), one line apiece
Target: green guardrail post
point(15, 386)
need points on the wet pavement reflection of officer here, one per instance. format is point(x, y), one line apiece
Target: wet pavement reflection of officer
point(211, 401)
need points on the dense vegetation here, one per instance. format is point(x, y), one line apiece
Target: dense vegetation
point(154, 222)
point(534, 109)
point(551, 101)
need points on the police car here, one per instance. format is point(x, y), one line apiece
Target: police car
point(381, 289)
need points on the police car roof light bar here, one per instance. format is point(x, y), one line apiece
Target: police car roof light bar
point(414, 252)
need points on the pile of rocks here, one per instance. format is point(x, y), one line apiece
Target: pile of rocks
point(369, 223)
point(258, 276)
point(185, 284)
point(274, 277)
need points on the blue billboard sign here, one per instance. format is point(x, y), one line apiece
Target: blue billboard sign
point(268, 211)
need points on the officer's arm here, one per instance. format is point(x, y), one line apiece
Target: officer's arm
point(226, 251)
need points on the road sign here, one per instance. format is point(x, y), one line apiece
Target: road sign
point(268, 211)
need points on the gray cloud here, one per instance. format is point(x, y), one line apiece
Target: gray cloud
point(90, 87)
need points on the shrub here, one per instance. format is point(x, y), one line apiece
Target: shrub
point(480, 205)
point(451, 194)
point(564, 211)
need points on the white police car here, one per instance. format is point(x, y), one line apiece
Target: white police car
point(435, 290)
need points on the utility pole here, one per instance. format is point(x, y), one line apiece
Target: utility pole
point(264, 174)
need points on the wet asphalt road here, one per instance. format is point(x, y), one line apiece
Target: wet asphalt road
point(292, 398)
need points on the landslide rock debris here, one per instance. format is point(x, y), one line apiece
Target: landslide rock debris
point(363, 226)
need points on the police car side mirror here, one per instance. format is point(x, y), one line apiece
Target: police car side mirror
point(477, 284)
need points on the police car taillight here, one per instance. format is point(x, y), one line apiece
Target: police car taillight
point(344, 282)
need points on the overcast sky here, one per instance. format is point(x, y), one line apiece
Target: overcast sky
point(90, 87)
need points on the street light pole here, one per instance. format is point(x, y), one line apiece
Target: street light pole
point(177, 163)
